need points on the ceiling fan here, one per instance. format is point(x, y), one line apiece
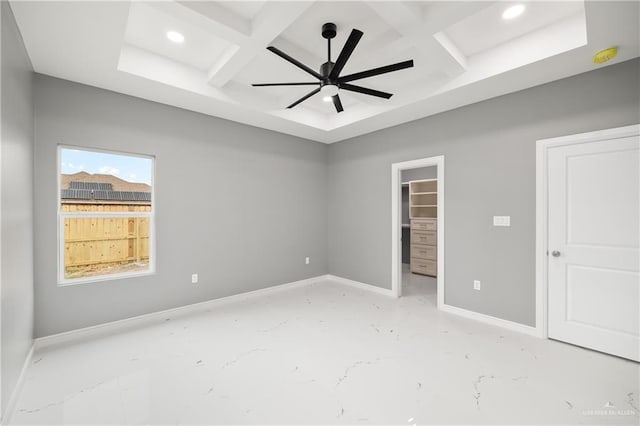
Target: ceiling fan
point(330, 82)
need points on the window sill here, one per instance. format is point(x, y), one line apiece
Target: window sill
point(76, 281)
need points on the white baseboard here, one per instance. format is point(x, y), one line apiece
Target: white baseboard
point(488, 319)
point(361, 285)
point(110, 327)
point(13, 399)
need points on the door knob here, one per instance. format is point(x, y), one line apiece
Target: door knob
point(555, 253)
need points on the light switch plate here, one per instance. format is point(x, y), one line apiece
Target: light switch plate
point(502, 221)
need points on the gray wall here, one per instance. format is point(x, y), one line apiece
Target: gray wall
point(16, 163)
point(489, 150)
point(241, 206)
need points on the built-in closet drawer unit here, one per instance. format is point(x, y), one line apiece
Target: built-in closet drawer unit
point(424, 224)
point(424, 252)
point(424, 238)
point(423, 214)
point(424, 266)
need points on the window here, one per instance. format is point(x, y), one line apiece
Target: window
point(105, 215)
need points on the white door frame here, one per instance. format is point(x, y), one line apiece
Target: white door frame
point(542, 209)
point(396, 223)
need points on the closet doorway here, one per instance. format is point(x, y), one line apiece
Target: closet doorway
point(417, 201)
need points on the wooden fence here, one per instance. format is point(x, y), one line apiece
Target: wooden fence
point(102, 241)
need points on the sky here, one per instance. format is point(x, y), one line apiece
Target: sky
point(129, 168)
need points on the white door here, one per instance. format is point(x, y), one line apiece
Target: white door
point(593, 259)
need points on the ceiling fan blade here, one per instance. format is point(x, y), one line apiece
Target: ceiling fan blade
point(304, 98)
point(337, 103)
point(294, 62)
point(365, 90)
point(377, 71)
point(285, 84)
point(346, 52)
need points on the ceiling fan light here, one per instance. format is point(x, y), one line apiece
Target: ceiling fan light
point(329, 90)
point(327, 99)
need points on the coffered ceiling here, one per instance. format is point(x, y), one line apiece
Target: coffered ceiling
point(463, 52)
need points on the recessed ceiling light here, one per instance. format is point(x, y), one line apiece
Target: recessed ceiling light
point(513, 11)
point(175, 36)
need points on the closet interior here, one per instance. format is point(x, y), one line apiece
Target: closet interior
point(420, 220)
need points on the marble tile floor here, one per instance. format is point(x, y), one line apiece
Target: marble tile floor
point(326, 353)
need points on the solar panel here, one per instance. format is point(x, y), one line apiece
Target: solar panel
point(76, 194)
point(91, 185)
point(142, 196)
point(105, 195)
point(115, 195)
point(100, 195)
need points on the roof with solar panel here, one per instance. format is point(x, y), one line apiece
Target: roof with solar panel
point(86, 188)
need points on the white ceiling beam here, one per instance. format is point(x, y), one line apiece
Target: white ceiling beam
point(451, 48)
point(438, 16)
point(210, 18)
point(270, 22)
point(230, 63)
point(406, 19)
point(422, 27)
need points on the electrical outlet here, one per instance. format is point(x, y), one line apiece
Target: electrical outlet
point(307, 260)
point(476, 285)
point(194, 278)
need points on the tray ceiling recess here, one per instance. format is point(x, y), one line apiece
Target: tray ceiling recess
point(204, 56)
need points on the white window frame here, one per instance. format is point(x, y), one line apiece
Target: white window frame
point(62, 281)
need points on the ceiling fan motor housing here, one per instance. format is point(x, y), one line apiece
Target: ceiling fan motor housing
point(325, 70)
